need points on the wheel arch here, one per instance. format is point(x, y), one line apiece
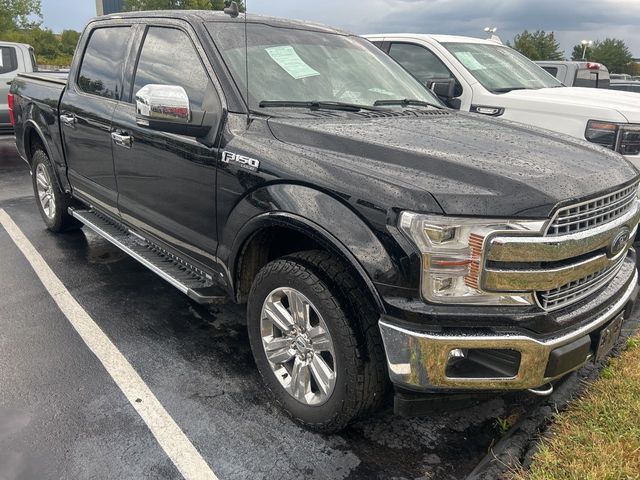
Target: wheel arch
point(326, 223)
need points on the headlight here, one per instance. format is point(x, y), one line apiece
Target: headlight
point(452, 256)
point(622, 137)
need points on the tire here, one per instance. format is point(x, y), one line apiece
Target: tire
point(360, 380)
point(51, 200)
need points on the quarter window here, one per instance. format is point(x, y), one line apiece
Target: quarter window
point(168, 57)
point(101, 69)
point(8, 60)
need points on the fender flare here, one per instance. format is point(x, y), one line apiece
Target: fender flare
point(59, 164)
point(327, 220)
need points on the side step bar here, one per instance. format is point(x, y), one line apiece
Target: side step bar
point(188, 279)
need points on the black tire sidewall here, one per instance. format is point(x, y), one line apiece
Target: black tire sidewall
point(333, 411)
point(56, 223)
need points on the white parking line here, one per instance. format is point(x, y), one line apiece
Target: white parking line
point(166, 431)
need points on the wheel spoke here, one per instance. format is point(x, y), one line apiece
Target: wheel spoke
point(300, 380)
point(299, 309)
point(46, 202)
point(320, 339)
point(41, 182)
point(322, 373)
point(279, 316)
point(279, 350)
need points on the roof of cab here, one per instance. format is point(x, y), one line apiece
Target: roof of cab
point(437, 38)
point(218, 16)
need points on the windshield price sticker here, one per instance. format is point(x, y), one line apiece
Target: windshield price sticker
point(291, 62)
point(469, 61)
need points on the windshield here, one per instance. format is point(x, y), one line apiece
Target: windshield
point(499, 68)
point(294, 65)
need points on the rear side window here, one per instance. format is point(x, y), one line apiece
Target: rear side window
point(419, 61)
point(169, 58)
point(552, 70)
point(8, 60)
point(101, 69)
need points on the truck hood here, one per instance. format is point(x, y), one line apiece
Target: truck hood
point(471, 165)
point(558, 99)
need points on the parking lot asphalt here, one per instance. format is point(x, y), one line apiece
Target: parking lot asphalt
point(63, 416)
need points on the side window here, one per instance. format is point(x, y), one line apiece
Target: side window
point(101, 69)
point(169, 58)
point(420, 62)
point(552, 70)
point(8, 60)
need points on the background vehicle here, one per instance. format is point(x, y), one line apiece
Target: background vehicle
point(625, 85)
point(374, 234)
point(620, 76)
point(14, 58)
point(488, 78)
point(578, 74)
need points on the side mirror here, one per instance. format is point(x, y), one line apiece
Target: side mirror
point(444, 88)
point(165, 108)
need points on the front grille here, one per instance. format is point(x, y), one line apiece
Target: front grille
point(592, 213)
point(578, 289)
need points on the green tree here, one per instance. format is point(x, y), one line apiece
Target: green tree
point(68, 41)
point(614, 54)
point(135, 5)
point(538, 45)
point(17, 14)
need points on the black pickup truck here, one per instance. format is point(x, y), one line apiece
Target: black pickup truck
point(377, 237)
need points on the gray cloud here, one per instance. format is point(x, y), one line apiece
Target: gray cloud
point(572, 21)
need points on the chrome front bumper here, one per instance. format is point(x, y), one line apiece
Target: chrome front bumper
point(418, 360)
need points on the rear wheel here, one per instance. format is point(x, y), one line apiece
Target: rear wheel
point(315, 340)
point(52, 201)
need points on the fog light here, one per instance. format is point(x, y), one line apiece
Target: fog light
point(457, 353)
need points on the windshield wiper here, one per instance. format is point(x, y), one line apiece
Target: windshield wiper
point(405, 102)
point(507, 89)
point(316, 105)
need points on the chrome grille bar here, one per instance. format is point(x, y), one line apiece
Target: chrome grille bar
point(578, 289)
point(591, 213)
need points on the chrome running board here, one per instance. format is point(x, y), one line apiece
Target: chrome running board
point(185, 277)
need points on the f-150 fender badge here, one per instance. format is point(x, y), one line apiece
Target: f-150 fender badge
point(241, 161)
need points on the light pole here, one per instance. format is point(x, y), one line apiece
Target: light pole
point(585, 44)
point(491, 32)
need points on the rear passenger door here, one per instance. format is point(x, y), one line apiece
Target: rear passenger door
point(85, 115)
point(166, 182)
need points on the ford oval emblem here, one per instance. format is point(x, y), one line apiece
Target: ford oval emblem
point(619, 242)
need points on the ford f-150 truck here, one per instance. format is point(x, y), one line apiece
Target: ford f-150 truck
point(488, 78)
point(377, 237)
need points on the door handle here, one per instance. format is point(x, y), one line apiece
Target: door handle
point(68, 120)
point(122, 139)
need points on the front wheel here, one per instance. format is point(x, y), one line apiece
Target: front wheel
point(315, 342)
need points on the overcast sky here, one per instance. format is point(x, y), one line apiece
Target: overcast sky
point(571, 20)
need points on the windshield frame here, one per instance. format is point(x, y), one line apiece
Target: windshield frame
point(542, 74)
point(217, 29)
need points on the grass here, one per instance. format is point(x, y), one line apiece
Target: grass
point(598, 437)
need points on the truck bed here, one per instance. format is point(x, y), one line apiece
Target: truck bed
point(50, 77)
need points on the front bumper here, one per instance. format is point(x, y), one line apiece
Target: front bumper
point(419, 360)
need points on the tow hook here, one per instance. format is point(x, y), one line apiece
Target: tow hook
point(541, 391)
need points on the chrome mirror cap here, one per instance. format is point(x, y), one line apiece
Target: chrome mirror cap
point(168, 103)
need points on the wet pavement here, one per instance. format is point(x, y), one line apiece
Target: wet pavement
point(62, 416)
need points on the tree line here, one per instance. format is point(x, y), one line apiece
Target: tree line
point(21, 22)
point(611, 52)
